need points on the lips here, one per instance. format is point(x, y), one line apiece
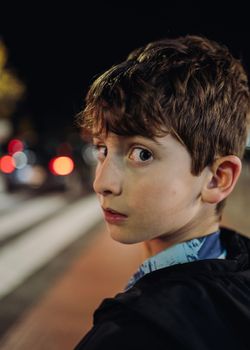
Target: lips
point(114, 217)
point(112, 211)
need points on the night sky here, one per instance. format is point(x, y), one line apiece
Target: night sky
point(56, 51)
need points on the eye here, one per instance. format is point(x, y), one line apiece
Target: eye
point(140, 154)
point(99, 151)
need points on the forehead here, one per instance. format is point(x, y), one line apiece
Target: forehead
point(166, 142)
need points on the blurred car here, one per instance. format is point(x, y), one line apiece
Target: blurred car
point(22, 168)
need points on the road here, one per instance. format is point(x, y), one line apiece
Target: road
point(59, 255)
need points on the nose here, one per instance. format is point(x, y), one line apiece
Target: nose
point(108, 178)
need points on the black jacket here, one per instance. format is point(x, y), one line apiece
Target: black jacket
point(201, 305)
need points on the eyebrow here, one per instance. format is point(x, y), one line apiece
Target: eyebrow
point(99, 136)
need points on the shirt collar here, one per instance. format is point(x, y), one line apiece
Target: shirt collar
point(207, 247)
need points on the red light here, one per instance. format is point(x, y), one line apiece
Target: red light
point(61, 165)
point(7, 164)
point(15, 145)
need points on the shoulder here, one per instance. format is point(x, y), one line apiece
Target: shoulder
point(112, 334)
point(119, 325)
point(135, 319)
point(104, 335)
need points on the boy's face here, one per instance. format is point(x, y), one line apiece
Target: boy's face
point(151, 184)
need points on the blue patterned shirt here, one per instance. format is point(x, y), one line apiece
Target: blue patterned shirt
point(207, 247)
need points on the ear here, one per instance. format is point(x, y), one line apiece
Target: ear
point(222, 179)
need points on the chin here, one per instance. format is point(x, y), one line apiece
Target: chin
point(121, 237)
point(124, 240)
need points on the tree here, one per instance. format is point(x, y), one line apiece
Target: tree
point(11, 91)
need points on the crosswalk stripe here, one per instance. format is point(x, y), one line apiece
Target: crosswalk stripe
point(9, 201)
point(29, 213)
point(39, 245)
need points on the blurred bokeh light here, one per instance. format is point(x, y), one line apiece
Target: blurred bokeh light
point(61, 165)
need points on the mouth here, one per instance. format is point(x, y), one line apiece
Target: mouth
point(114, 217)
point(112, 211)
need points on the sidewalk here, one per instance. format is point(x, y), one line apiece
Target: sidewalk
point(64, 314)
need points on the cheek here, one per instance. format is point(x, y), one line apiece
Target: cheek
point(161, 194)
point(154, 193)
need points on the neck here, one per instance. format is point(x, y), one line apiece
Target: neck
point(156, 245)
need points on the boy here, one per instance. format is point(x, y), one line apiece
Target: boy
point(169, 126)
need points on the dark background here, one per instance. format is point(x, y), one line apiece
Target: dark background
point(57, 50)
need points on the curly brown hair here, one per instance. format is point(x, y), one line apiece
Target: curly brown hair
point(189, 86)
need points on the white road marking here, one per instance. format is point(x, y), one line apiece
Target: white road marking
point(10, 200)
point(20, 259)
point(29, 213)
